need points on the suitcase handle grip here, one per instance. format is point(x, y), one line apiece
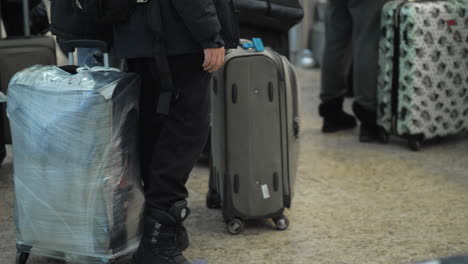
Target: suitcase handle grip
point(71, 45)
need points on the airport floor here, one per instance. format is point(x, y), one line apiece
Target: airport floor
point(354, 203)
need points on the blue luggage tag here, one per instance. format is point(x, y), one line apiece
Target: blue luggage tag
point(256, 44)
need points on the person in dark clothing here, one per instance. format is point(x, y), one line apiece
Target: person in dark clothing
point(190, 35)
point(356, 22)
point(67, 24)
point(171, 144)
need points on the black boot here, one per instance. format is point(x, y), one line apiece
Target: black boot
point(334, 118)
point(182, 237)
point(164, 236)
point(369, 131)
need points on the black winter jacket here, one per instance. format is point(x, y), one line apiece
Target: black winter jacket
point(68, 24)
point(189, 27)
point(272, 15)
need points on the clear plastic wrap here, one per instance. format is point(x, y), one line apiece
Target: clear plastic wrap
point(78, 191)
point(2, 98)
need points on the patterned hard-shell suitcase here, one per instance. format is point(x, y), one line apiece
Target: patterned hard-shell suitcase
point(426, 94)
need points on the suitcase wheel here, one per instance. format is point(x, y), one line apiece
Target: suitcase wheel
point(384, 136)
point(281, 222)
point(414, 143)
point(213, 200)
point(21, 257)
point(235, 226)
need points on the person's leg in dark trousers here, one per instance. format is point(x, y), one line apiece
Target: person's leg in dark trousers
point(338, 28)
point(182, 135)
point(149, 121)
point(366, 34)
point(170, 147)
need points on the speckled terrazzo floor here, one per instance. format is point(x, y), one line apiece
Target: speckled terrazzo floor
point(355, 203)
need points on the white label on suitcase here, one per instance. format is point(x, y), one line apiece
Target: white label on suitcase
point(266, 193)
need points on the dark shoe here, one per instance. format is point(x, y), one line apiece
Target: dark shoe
point(341, 121)
point(334, 118)
point(164, 236)
point(368, 133)
point(180, 212)
point(2, 154)
point(146, 256)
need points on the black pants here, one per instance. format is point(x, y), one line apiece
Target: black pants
point(171, 145)
point(355, 22)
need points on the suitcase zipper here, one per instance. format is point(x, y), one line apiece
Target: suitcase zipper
point(282, 81)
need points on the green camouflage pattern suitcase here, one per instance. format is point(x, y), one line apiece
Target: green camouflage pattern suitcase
point(423, 80)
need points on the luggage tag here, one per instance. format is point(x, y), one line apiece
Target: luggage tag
point(265, 191)
point(255, 45)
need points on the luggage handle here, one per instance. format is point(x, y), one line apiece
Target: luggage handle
point(71, 45)
point(256, 44)
point(27, 29)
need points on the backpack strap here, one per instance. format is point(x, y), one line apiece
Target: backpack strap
point(154, 19)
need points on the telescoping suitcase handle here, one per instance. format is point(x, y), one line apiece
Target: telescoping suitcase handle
point(27, 29)
point(71, 45)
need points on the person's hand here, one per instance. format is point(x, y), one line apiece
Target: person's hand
point(214, 59)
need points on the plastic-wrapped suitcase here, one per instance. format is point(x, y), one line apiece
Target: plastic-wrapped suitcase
point(423, 80)
point(78, 194)
point(255, 137)
point(17, 53)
